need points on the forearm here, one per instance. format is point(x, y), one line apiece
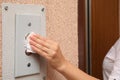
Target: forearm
point(73, 73)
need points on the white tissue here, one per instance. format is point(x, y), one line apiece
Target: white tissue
point(27, 44)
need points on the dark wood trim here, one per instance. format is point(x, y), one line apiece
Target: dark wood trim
point(81, 35)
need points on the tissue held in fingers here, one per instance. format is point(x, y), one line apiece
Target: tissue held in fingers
point(28, 48)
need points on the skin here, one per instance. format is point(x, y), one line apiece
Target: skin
point(51, 51)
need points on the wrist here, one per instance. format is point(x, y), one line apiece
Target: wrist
point(63, 66)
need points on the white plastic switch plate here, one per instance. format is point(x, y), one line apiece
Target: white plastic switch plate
point(17, 21)
point(26, 64)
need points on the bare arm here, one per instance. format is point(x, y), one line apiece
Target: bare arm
point(50, 50)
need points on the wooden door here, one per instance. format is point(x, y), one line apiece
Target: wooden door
point(104, 31)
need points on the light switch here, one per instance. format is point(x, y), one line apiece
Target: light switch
point(17, 21)
point(26, 23)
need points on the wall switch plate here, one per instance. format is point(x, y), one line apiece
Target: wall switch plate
point(26, 23)
point(17, 21)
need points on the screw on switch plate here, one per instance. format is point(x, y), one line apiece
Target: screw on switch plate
point(43, 9)
point(29, 64)
point(30, 24)
point(6, 8)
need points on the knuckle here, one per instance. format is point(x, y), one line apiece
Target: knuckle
point(57, 44)
point(56, 47)
point(54, 54)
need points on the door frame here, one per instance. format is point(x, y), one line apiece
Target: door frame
point(82, 34)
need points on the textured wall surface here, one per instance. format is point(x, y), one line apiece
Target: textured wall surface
point(61, 17)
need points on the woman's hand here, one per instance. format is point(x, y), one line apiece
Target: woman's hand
point(51, 51)
point(48, 49)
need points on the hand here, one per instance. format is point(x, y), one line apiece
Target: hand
point(48, 49)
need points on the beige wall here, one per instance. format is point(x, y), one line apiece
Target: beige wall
point(61, 26)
